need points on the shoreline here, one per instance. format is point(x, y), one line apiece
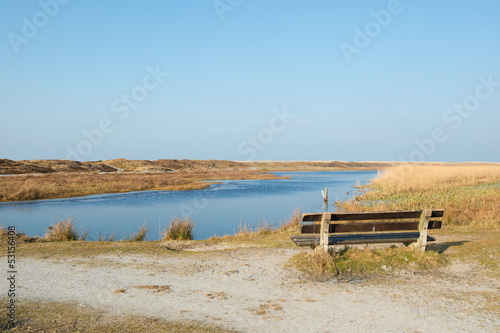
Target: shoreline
point(22, 181)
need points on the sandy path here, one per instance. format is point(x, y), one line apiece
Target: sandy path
point(249, 290)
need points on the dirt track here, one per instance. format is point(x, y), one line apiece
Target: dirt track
point(250, 290)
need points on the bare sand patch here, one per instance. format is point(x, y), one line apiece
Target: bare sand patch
point(251, 290)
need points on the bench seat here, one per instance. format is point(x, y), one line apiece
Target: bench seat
point(397, 237)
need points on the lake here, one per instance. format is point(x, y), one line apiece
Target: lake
point(217, 210)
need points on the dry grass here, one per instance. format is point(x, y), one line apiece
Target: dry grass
point(179, 229)
point(65, 231)
point(20, 236)
point(470, 195)
point(36, 316)
point(60, 185)
point(141, 234)
point(321, 264)
point(49, 179)
point(470, 244)
point(264, 234)
point(265, 228)
point(411, 178)
point(319, 165)
point(86, 249)
point(102, 238)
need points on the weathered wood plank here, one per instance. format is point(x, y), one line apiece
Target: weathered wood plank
point(368, 227)
point(423, 226)
point(313, 240)
point(360, 216)
point(325, 227)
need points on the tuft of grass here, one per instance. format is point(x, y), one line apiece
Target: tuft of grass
point(263, 228)
point(102, 238)
point(321, 264)
point(20, 236)
point(141, 234)
point(179, 229)
point(65, 230)
point(4, 234)
point(291, 224)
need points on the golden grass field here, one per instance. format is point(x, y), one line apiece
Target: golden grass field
point(469, 194)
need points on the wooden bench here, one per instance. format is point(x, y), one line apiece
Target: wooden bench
point(326, 229)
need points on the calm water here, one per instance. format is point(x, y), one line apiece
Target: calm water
point(215, 210)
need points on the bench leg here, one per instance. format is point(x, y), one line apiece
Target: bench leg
point(423, 225)
point(325, 229)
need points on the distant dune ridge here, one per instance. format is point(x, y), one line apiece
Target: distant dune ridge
point(10, 167)
point(165, 165)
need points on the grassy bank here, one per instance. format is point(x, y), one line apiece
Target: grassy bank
point(61, 185)
point(470, 196)
point(50, 179)
point(64, 239)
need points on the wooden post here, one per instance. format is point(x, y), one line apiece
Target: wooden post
point(325, 228)
point(325, 198)
point(423, 225)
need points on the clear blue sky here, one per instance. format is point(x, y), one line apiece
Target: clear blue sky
point(351, 80)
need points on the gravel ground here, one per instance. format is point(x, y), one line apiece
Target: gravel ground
point(250, 290)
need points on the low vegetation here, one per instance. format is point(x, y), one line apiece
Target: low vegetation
point(179, 229)
point(321, 264)
point(50, 179)
point(141, 235)
point(289, 225)
point(61, 185)
point(470, 195)
point(34, 316)
point(275, 236)
point(65, 231)
point(102, 238)
point(20, 236)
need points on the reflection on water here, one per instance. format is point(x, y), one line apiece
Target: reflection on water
point(215, 210)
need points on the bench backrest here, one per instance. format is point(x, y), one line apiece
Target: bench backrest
point(315, 219)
